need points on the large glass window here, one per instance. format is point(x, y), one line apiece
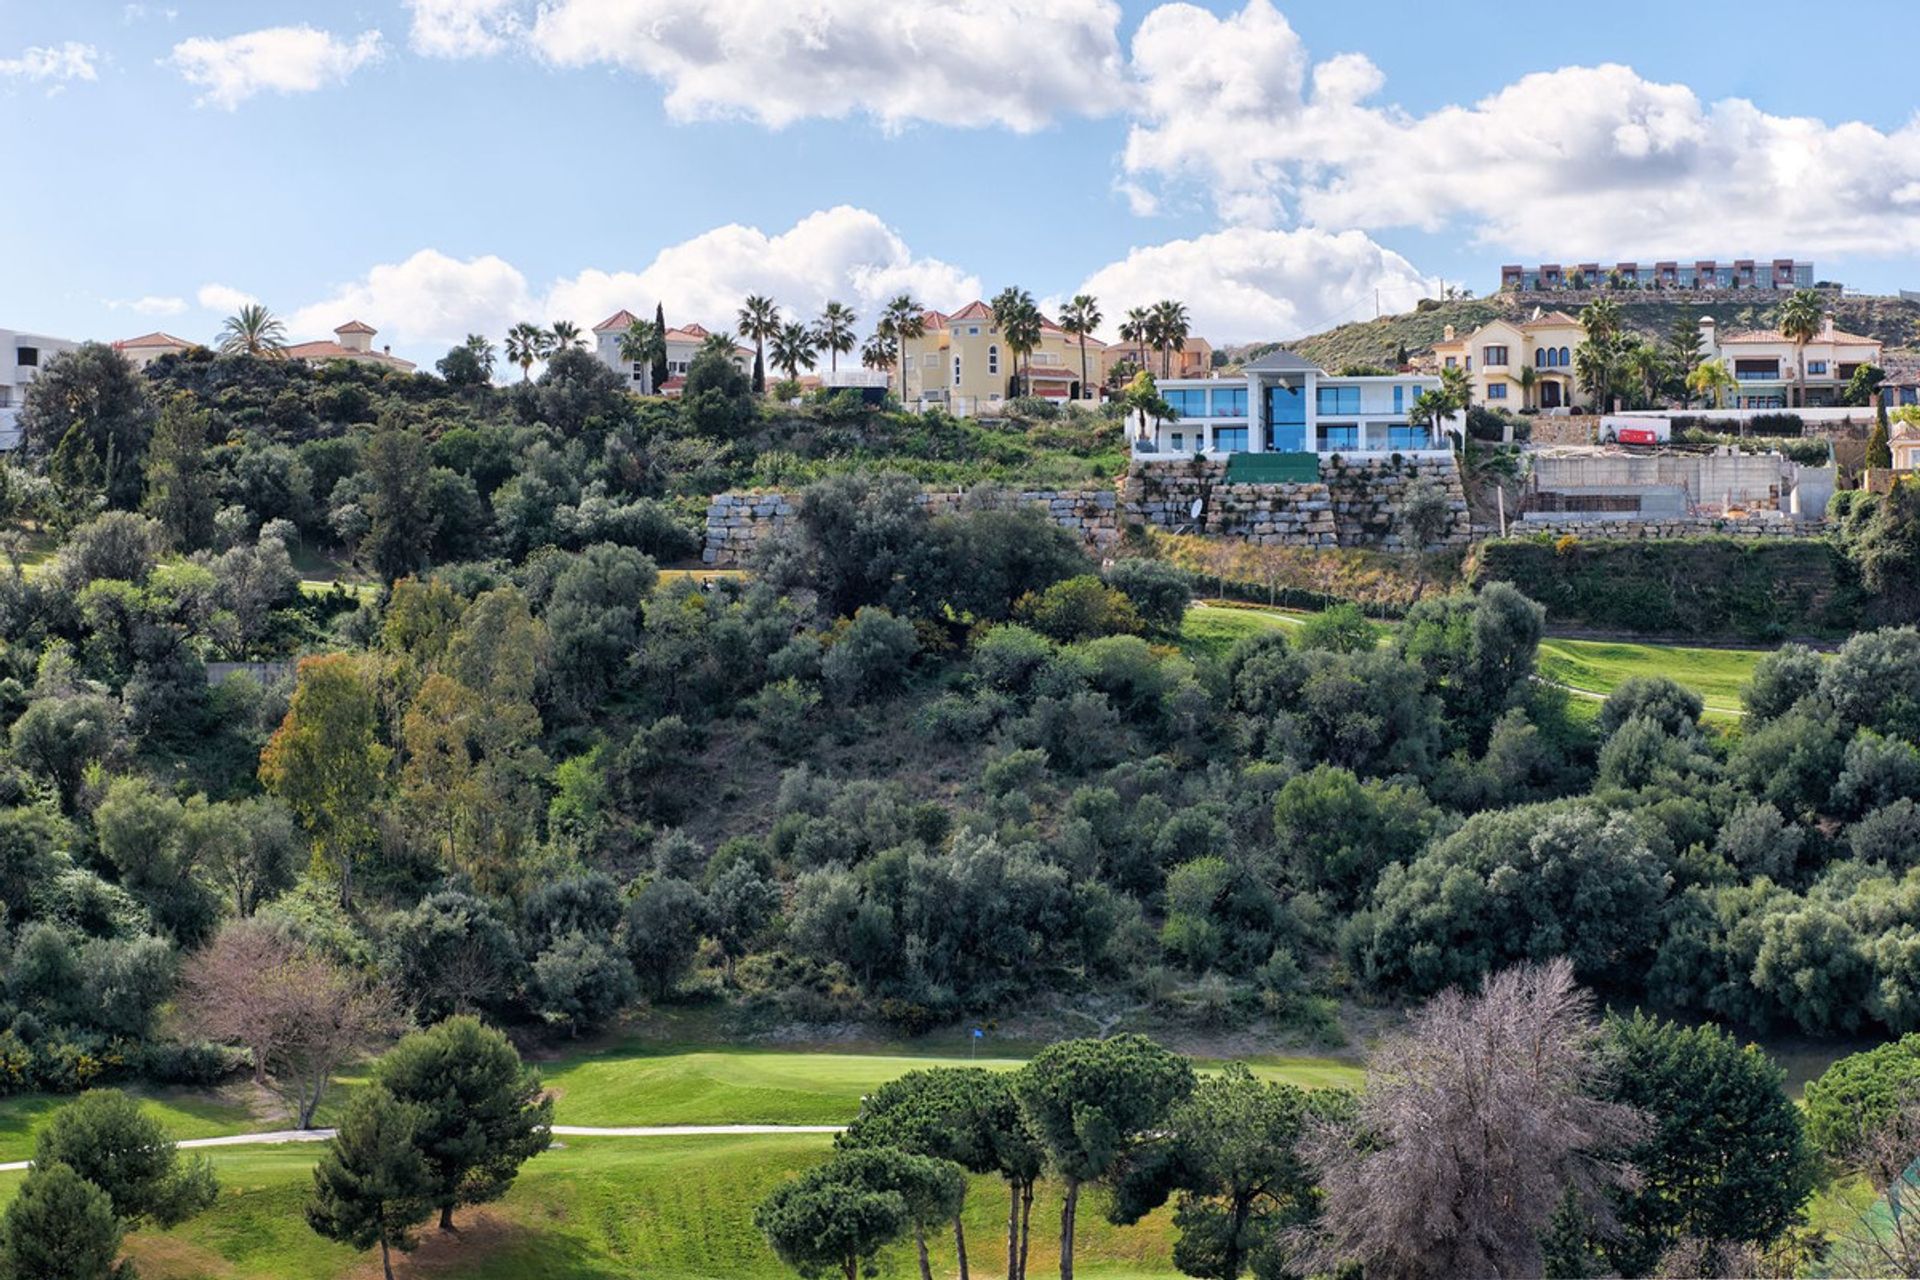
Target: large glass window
point(1346, 436)
point(1399, 398)
point(1408, 438)
point(1188, 402)
point(1493, 357)
point(1287, 419)
point(1230, 402)
point(1230, 439)
point(1337, 400)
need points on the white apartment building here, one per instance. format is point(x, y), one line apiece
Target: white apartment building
point(1286, 404)
point(22, 356)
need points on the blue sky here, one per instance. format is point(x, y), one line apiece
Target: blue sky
point(435, 166)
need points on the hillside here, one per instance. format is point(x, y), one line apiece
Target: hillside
point(1892, 320)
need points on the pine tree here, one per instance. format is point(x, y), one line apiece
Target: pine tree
point(1564, 1251)
point(60, 1227)
point(372, 1186)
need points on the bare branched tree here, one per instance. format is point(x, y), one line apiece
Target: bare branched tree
point(1474, 1124)
point(300, 1015)
point(1882, 1234)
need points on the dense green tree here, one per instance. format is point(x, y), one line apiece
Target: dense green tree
point(1158, 591)
point(1725, 1159)
point(1338, 833)
point(1089, 1103)
point(1530, 883)
point(1780, 680)
point(593, 616)
point(830, 1220)
point(326, 763)
point(1477, 650)
point(664, 923)
point(1861, 1094)
point(105, 1137)
point(87, 421)
point(1233, 1152)
point(61, 1227)
point(372, 1185)
point(401, 518)
point(452, 954)
point(179, 482)
point(580, 981)
point(480, 1113)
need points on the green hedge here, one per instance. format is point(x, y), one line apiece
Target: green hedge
point(1707, 586)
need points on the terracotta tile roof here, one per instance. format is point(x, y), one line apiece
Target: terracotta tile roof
point(934, 320)
point(154, 339)
point(1774, 335)
point(618, 320)
point(1555, 317)
point(334, 351)
point(356, 326)
point(975, 310)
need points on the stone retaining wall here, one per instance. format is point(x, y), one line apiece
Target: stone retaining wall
point(1679, 527)
point(1368, 494)
point(1163, 495)
point(737, 523)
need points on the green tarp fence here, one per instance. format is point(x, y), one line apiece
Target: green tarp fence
point(1273, 468)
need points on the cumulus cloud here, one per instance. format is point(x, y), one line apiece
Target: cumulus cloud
point(431, 300)
point(840, 253)
point(151, 305)
point(282, 59)
point(1580, 160)
point(1245, 284)
point(1016, 63)
point(223, 298)
point(463, 28)
point(54, 65)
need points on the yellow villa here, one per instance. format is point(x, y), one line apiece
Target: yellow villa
point(1496, 352)
point(962, 363)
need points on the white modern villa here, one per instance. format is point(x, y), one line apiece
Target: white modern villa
point(1286, 404)
point(22, 356)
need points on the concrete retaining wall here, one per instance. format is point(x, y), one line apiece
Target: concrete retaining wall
point(1603, 529)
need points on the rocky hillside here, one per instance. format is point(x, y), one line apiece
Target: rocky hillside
point(1380, 342)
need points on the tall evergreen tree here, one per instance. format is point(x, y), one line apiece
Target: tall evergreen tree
point(660, 371)
point(372, 1186)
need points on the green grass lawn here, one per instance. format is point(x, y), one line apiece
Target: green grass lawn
point(1599, 667)
point(187, 1113)
point(632, 1082)
point(667, 1209)
point(1591, 667)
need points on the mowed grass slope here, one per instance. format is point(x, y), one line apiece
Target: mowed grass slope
point(1594, 668)
point(593, 1209)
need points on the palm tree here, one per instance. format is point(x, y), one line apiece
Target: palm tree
point(482, 352)
point(1457, 387)
point(564, 334)
point(1529, 379)
point(759, 320)
point(1137, 328)
point(1018, 320)
point(1596, 363)
point(793, 347)
point(1601, 319)
point(1079, 318)
point(902, 322)
point(717, 343)
point(1430, 409)
point(526, 346)
point(833, 332)
point(1645, 363)
point(1711, 381)
point(253, 331)
point(1170, 328)
point(1802, 317)
point(638, 341)
point(876, 352)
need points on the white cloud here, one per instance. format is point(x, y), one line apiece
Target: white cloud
point(427, 303)
point(282, 59)
point(463, 28)
point(1016, 63)
point(840, 253)
point(56, 64)
point(1576, 161)
point(151, 305)
point(431, 300)
point(1245, 284)
point(223, 298)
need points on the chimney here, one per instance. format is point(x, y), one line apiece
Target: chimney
point(1446, 334)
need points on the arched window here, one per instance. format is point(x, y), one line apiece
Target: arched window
point(956, 368)
point(1564, 362)
point(1539, 357)
point(993, 359)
